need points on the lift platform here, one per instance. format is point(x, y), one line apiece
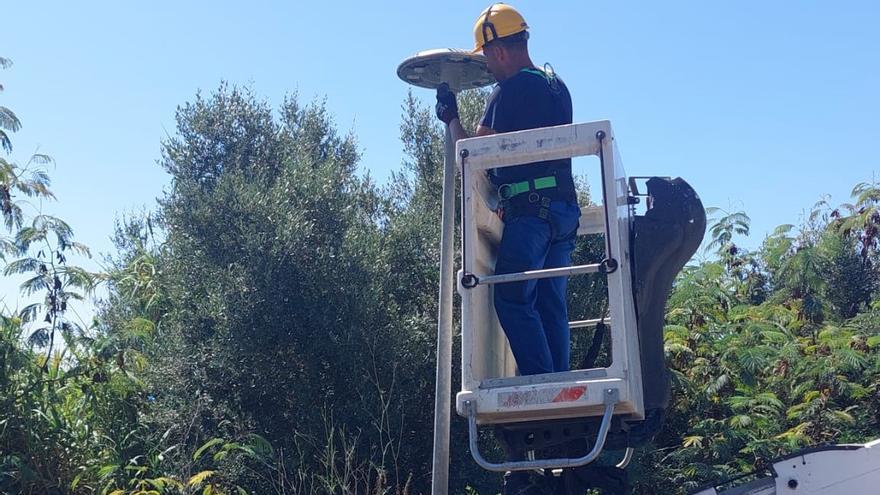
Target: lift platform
point(619, 406)
point(642, 255)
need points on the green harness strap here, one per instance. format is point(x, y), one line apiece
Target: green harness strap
point(548, 74)
point(507, 191)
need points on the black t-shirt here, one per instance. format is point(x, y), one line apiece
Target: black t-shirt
point(528, 100)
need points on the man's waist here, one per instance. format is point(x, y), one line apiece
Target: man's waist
point(517, 173)
point(553, 187)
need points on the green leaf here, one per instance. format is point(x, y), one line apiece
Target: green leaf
point(741, 421)
point(76, 481)
point(843, 417)
point(210, 443)
point(34, 284)
point(852, 359)
point(8, 120)
point(23, 265)
point(139, 329)
point(693, 441)
point(199, 478)
point(812, 395)
point(105, 471)
point(260, 445)
point(677, 348)
point(41, 159)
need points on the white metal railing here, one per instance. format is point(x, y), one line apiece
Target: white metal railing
point(534, 274)
point(486, 358)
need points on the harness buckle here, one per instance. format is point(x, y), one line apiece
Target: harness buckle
point(505, 191)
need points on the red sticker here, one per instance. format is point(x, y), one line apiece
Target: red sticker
point(571, 394)
point(543, 396)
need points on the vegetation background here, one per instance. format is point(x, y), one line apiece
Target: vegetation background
point(269, 326)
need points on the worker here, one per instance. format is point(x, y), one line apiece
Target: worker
point(538, 200)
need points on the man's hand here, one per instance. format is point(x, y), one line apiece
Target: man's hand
point(447, 107)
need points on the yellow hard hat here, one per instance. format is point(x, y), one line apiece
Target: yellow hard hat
point(498, 21)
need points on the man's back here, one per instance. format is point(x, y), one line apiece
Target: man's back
point(528, 100)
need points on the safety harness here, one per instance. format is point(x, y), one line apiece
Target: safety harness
point(530, 197)
point(533, 196)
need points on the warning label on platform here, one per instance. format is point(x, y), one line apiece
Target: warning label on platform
point(542, 396)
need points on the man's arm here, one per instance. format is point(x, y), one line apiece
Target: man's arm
point(458, 132)
point(484, 131)
point(447, 111)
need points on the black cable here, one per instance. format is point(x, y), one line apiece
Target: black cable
point(598, 338)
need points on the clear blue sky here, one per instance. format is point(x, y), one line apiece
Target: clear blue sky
point(762, 106)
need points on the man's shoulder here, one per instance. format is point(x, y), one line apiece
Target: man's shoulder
point(531, 80)
point(521, 79)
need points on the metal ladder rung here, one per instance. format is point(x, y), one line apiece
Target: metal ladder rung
point(588, 323)
point(545, 273)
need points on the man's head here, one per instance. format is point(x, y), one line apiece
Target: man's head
point(502, 35)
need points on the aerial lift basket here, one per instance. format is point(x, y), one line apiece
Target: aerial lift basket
point(491, 392)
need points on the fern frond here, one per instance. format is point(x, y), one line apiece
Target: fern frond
point(199, 478)
point(8, 120)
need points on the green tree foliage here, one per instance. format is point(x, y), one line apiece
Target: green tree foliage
point(270, 327)
point(757, 379)
point(48, 394)
point(8, 121)
point(268, 229)
point(290, 286)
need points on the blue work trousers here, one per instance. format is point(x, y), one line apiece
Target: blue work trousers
point(533, 313)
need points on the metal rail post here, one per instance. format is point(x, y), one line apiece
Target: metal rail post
point(443, 390)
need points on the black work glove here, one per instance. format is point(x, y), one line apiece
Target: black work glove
point(447, 107)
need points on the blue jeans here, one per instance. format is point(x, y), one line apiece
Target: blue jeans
point(533, 313)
